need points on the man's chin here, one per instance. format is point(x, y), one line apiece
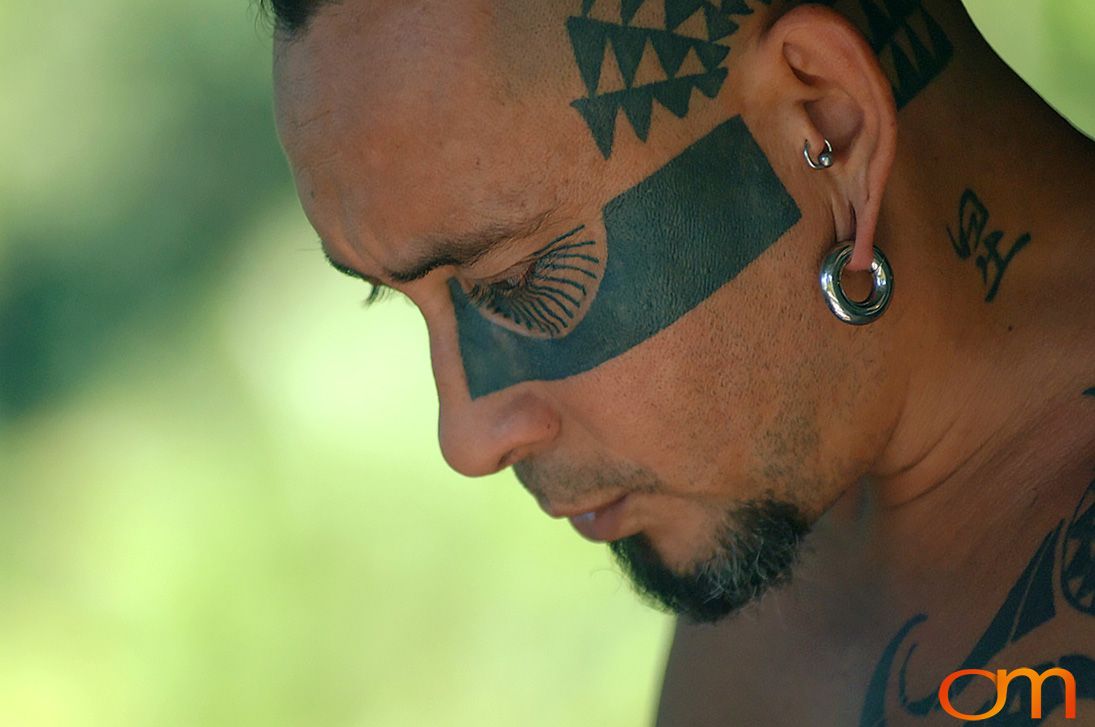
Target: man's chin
point(756, 550)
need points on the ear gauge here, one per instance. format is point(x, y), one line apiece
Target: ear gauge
point(856, 313)
point(824, 159)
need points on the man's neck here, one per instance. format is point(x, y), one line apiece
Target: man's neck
point(989, 222)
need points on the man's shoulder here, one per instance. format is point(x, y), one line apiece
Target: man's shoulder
point(865, 654)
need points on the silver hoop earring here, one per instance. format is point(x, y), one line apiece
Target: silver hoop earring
point(847, 310)
point(824, 159)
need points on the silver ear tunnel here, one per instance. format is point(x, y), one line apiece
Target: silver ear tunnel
point(856, 313)
point(824, 159)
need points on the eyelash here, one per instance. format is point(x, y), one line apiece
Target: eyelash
point(547, 295)
point(377, 294)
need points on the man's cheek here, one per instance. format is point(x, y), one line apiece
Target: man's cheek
point(672, 241)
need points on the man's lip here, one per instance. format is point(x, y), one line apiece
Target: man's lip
point(603, 524)
point(573, 512)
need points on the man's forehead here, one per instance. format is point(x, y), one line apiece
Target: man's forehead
point(376, 60)
point(408, 141)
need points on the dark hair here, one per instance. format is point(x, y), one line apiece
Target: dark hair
point(291, 17)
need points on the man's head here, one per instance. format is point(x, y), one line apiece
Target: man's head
point(601, 210)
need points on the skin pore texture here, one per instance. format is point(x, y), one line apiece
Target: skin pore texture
point(603, 213)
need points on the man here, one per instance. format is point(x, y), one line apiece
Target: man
point(614, 217)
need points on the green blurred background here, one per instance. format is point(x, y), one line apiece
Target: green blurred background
point(221, 500)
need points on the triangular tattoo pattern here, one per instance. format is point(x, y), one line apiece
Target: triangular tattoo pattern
point(593, 38)
point(909, 42)
point(911, 46)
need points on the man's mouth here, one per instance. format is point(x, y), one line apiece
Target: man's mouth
point(600, 523)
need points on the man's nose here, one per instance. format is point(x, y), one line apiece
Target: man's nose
point(484, 435)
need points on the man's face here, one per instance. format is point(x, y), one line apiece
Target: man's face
point(631, 322)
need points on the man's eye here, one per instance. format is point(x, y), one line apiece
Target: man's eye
point(546, 297)
point(513, 283)
point(376, 294)
point(489, 295)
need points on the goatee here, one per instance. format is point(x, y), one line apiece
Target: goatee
point(756, 550)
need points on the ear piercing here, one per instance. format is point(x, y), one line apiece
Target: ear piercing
point(824, 159)
point(852, 312)
point(856, 313)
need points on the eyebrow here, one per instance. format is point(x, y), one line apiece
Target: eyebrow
point(457, 251)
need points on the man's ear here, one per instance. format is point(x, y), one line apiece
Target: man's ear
point(824, 82)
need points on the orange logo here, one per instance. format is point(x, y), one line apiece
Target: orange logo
point(1001, 679)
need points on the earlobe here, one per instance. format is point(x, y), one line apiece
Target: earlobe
point(835, 90)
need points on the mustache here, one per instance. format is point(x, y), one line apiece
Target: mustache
point(560, 482)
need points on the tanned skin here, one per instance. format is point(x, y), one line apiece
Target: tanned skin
point(540, 179)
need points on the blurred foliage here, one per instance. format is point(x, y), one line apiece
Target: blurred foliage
point(1049, 44)
point(221, 501)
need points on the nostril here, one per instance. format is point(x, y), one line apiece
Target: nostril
point(484, 436)
point(512, 457)
point(469, 446)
